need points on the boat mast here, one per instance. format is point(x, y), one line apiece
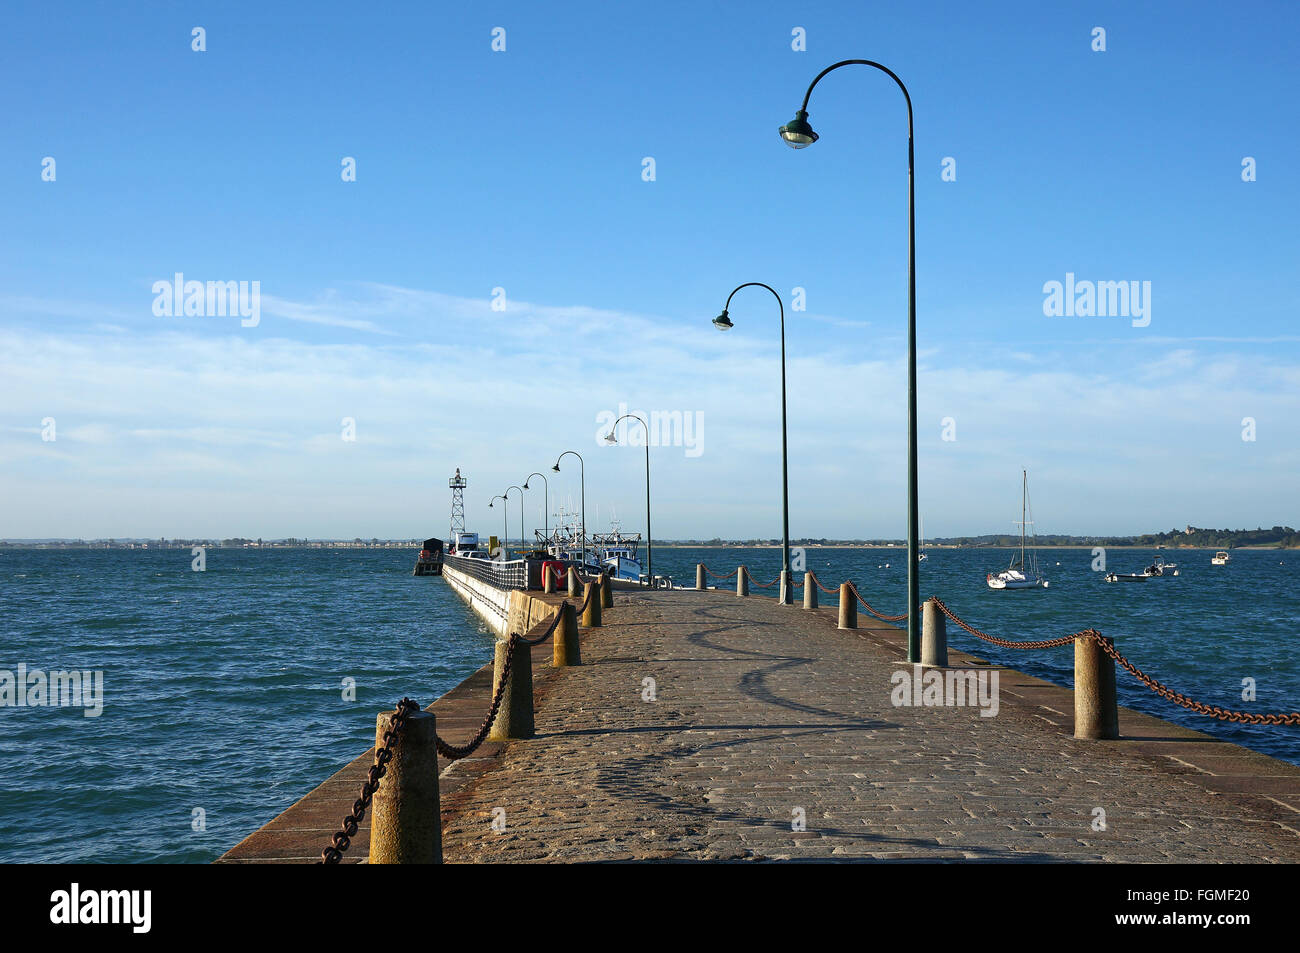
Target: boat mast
point(1024, 494)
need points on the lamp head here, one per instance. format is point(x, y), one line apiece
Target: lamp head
point(525, 484)
point(723, 321)
point(556, 468)
point(797, 133)
point(610, 438)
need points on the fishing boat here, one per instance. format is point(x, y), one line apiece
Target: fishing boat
point(1220, 559)
point(614, 552)
point(1023, 572)
point(1159, 568)
point(429, 562)
point(1126, 577)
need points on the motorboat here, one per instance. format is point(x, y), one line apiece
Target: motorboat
point(1161, 568)
point(1220, 559)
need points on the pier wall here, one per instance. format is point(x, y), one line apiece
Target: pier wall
point(504, 610)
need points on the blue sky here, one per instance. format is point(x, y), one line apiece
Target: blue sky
point(523, 170)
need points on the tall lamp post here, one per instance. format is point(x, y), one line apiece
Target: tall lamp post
point(546, 501)
point(522, 542)
point(799, 134)
point(582, 470)
point(612, 437)
point(505, 528)
point(723, 323)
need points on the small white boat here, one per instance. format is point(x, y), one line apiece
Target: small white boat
point(1021, 574)
point(1160, 568)
point(1220, 559)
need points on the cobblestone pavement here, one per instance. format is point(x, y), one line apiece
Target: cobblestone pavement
point(765, 715)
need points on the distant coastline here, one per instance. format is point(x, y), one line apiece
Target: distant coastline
point(1190, 538)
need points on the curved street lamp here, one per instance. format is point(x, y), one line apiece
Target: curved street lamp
point(799, 134)
point(546, 501)
point(582, 469)
point(523, 544)
point(505, 529)
point(649, 541)
point(723, 323)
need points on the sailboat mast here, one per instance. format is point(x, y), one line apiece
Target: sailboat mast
point(1024, 494)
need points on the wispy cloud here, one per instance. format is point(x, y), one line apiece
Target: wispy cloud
point(176, 432)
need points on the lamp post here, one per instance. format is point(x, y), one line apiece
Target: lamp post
point(649, 540)
point(799, 134)
point(506, 495)
point(505, 529)
point(582, 470)
point(723, 323)
point(546, 501)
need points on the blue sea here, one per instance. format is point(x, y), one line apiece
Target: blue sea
point(224, 698)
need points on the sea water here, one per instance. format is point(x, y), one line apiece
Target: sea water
point(226, 693)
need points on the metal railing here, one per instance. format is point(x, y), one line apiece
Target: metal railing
point(504, 574)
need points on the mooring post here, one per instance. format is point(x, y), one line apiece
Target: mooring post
point(701, 581)
point(565, 640)
point(606, 591)
point(742, 581)
point(405, 817)
point(591, 596)
point(784, 593)
point(515, 716)
point(934, 635)
point(572, 576)
point(1096, 709)
point(548, 579)
point(809, 591)
point(848, 607)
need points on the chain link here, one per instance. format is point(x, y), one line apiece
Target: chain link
point(455, 752)
point(885, 618)
point(343, 839)
point(826, 589)
point(1164, 691)
point(1007, 643)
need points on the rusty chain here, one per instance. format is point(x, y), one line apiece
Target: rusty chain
point(549, 629)
point(826, 589)
point(1164, 691)
point(343, 839)
point(884, 618)
point(1007, 643)
point(718, 575)
point(454, 752)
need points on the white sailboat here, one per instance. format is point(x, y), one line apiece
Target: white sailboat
point(1023, 572)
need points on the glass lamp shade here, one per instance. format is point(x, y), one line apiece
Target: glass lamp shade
point(797, 133)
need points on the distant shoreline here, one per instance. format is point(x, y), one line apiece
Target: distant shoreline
point(930, 547)
point(664, 544)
